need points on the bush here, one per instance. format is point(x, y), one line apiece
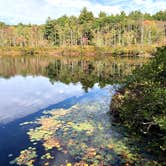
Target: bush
point(142, 105)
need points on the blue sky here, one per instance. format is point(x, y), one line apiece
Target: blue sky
point(37, 11)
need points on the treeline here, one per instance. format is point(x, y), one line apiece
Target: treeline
point(104, 30)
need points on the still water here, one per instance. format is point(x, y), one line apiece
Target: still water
point(55, 110)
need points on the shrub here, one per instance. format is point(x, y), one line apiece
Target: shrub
point(143, 102)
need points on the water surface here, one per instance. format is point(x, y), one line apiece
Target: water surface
point(30, 85)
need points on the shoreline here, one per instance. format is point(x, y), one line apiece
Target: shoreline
point(89, 51)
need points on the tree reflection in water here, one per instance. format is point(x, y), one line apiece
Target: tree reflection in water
point(87, 70)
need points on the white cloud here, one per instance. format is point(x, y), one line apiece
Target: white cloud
point(37, 11)
point(77, 5)
point(149, 5)
point(139, 2)
point(69, 3)
point(21, 11)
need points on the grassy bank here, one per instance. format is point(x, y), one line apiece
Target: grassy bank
point(132, 50)
point(141, 105)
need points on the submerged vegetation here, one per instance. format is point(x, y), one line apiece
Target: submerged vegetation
point(132, 34)
point(89, 139)
point(141, 104)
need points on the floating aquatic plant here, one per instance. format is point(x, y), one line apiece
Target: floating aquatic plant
point(51, 143)
point(47, 156)
point(27, 123)
point(84, 132)
point(26, 157)
point(85, 126)
point(39, 134)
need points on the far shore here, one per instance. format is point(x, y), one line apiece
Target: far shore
point(126, 51)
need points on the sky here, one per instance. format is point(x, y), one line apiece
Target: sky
point(37, 11)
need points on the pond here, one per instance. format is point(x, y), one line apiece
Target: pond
point(54, 111)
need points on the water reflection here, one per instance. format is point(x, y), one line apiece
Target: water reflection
point(31, 84)
point(87, 71)
point(22, 96)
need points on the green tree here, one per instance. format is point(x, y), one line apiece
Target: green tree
point(135, 15)
point(102, 14)
point(85, 16)
point(161, 15)
point(50, 32)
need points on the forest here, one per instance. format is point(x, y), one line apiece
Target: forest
point(106, 30)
